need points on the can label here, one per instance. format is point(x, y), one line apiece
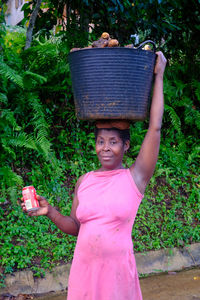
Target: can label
point(29, 197)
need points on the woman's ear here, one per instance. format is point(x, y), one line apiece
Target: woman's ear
point(126, 145)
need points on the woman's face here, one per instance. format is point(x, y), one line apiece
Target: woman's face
point(110, 149)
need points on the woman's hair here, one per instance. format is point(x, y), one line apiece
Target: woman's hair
point(123, 134)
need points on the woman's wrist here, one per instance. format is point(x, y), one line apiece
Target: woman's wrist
point(50, 211)
point(159, 76)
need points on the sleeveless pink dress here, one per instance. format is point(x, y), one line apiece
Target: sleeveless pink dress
point(103, 266)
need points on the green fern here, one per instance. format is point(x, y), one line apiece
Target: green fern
point(175, 120)
point(3, 98)
point(40, 125)
point(7, 118)
point(37, 77)
point(9, 178)
point(13, 137)
point(22, 140)
point(44, 55)
point(194, 156)
point(182, 146)
point(10, 74)
point(31, 80)
point(9, 182)
point(8, 151)
point(192, 116)
point(41, 132)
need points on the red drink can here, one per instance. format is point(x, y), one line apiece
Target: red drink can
point(29, 197)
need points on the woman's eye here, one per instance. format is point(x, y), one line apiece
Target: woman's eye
point(113, 142)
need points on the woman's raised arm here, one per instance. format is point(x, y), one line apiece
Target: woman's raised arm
point(143, 168)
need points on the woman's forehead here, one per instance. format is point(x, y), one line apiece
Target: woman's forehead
point(111, 133)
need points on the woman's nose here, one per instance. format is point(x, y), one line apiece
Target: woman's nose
point(106, 147)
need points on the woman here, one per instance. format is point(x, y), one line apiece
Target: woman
point(104, 208)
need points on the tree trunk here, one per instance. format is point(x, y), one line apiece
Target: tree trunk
point(33, 17)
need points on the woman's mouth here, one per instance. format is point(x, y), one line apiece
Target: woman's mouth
point(106, 157)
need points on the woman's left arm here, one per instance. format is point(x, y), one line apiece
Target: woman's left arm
point(143, 168)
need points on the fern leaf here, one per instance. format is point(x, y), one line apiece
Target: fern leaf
point(41, 128)
point(182, 146)
point(194, 155)
point(9, 178)
point(44, 147)
point(7, 116)
point(192, 116)
point(176, 122)
point(39, 78)
point(22, 140)
point(46, 54)
point(3, 98)
point(10, 74)
point(8, 150)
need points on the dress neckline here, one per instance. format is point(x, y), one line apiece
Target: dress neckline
point(108, 173)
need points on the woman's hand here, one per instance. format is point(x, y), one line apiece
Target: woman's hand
point(160, 64)
point(67, 224)
point(43, 209)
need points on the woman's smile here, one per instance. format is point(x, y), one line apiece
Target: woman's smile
point(106, 158)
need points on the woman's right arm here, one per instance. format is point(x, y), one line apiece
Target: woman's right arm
point(67, 224)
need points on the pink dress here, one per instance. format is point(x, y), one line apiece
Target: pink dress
point(103, 266)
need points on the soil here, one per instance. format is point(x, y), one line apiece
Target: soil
point(183, 285)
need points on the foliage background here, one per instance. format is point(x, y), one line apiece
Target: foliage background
point(43, 144)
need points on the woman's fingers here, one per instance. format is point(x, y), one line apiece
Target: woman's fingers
point(160, 63)
point(23, 207)
point(34, 213)
point(40, 198)
point(42, 210)
point(42, 201)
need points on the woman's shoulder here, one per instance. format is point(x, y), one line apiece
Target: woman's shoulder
point(81, 179)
